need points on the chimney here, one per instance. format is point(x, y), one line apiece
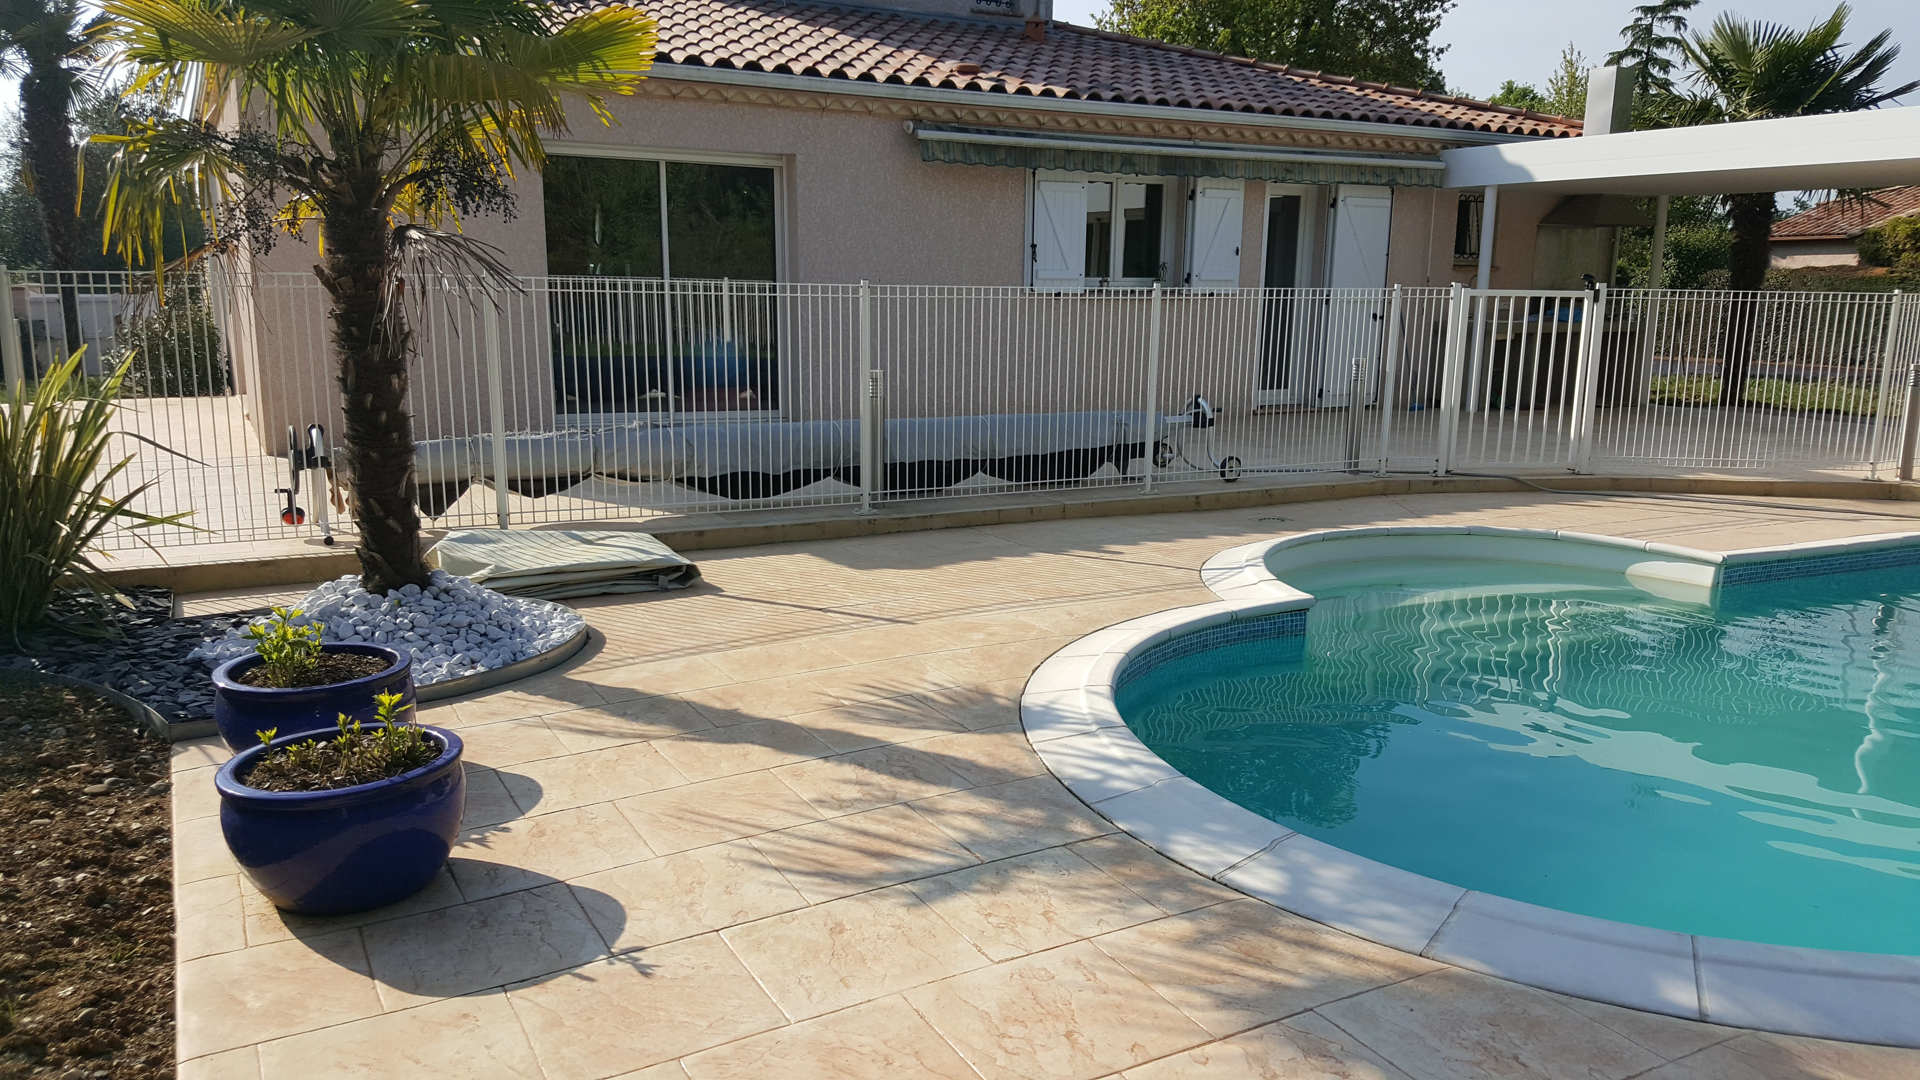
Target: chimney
point(1609, 100)
point(1036, 30)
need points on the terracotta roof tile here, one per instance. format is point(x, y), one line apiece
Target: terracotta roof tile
point(833, 41)
point(1845, 218)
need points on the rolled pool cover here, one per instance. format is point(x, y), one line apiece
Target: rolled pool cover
point(554, 565)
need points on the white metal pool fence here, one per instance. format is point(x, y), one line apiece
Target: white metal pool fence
point(587, 399)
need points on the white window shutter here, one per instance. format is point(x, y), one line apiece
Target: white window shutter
point(1213, 262)
point(1060, 235)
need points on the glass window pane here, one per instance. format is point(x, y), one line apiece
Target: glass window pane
point(609, 339)
point(720, 221)
point(1141, 206)
point(1099, 230)
point(603, 216)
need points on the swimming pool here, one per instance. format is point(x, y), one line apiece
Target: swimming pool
point(1666, 778)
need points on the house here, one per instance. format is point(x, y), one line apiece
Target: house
point(1827, 234)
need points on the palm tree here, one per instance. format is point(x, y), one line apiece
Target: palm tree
point(47, 45)
point(376, 121)
point(1756, 71)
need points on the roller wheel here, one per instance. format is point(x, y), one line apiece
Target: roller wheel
point(1230, 469)
point(293, 516)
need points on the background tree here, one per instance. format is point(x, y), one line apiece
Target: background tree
point(1567, 85)
point(48, 45)
point(1741, 70)
point(1653, 39)
point(1518, 95)
point(1388, 41)
point(378, 121)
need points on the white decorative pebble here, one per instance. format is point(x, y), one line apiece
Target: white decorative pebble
point(452, 628)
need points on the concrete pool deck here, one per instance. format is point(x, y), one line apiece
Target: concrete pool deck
point(787, 824)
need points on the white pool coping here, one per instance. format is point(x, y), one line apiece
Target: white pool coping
point(1070, 716)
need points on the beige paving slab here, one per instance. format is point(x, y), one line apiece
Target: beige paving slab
point(1667, 1036)
point(208, 918)
point(1009, 819)
point(1232, 966)
point(240, 1064)
point(537, 696)
point(715, 811)
point(983, 705)
point(1032, 902)
point(488, 802)
point(266, 923)
point(598, 727)
point(641, 1008)
point(1458, 1024)
point(194, 795)
point(534, 851)
point(200, 851)
point(666, 1070)
point(877, 723)
point(1153, 877)
point(724, 751)
point(879, 1040)
point(987, 756)
point(475, 1037)
point(830, 859)
point(866, 779)
point(730, 704)
point(198, 753)
point(1785, 1057)
point(684, 894)
point(234, 999)
point(771, 661)
point(1306, 1047)
point(620, 680)
point(505, 743)
point(593, 776)
point(1066, 1014)
point(852, 950)
point(526, 934)
point(987, 664)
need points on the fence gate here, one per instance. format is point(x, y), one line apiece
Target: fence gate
point(1517, 392)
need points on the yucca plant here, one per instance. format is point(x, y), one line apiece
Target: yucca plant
point(56, 481)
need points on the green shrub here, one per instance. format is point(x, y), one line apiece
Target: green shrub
point(289, 651)
point(176, 352)
point(56, 481)
point(348, 758)
point(1894, 242)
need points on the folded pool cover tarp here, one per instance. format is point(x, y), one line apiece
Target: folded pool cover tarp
point(559, 564)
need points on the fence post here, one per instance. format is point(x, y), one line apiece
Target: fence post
point(1910, 424)
point(496, 412)
point(1593, 326)
point(10, 361)
point(1887, 353)
point(1452, 368)
point(1389, 380)
point(869, 403)
point(1152, 418)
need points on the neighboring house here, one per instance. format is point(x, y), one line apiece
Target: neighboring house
point(977, 142)
point(1828, 234)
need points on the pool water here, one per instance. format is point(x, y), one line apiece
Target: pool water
point(1747, 770)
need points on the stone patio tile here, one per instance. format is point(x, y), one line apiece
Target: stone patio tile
point(880, 1040)
point(988, 664)
point(208, 918)
point(828, 957)
point(1233, 966)
point(866, 779)
point(681, 895)
point(197, 753)
point(505, 743)
point(1155, 878)
point(879, 681)
point(666, 1070)
point(234, 999)
point(1667, 1036)
point(649, 678)
point(476, 946)
point(1012, 818)
point(487, 800)
point(194, 795)
point(241, 1064)
point(988, 705)
point(1457, 1024)
point(715, 811)
point(1032, 902)
point(600, 726)
point(773, 661)
point(830, 859)
point(475, 1037)
point(534, 851)
point(537, 696)
point(1762, 1056)
point(1306, 1047)
point(876, 723)
point(987, 756)
point(266, 923)
point(638, 1009)
point(200, 851)
point(1070, 1013)
point(730, 704)
point(595, 776)
point(726, 751)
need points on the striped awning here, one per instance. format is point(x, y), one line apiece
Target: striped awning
point(1148, 157)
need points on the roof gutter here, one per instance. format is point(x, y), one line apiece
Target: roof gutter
point(937, 95)
point(932, 133)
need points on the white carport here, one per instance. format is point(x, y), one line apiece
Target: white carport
point(1877, 148)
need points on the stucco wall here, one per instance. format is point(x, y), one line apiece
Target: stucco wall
point(1790, 253)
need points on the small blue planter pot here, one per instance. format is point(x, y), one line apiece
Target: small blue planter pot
point(350, 849)
point(241, 711)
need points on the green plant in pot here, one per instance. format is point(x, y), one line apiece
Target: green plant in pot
point(295, 682)
point(327, 823)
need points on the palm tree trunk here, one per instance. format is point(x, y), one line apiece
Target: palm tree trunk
point(372, 342)
point(1747, 260)
point(53, 166)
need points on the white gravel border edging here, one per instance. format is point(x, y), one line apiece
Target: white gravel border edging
point(1070, 717)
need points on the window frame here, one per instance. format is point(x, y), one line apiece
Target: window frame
point(1173, 225)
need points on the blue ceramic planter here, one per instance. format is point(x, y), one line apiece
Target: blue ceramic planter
point(241, 711)
point(350, 849)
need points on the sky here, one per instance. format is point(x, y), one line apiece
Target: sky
point(1490, 41)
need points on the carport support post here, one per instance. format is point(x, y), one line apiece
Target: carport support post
point(1151, 419)
point(869, 402)
point(1657, 266)
point(1452, 368)
point(1489, 210)
point(15, 368)
point(496, 411)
